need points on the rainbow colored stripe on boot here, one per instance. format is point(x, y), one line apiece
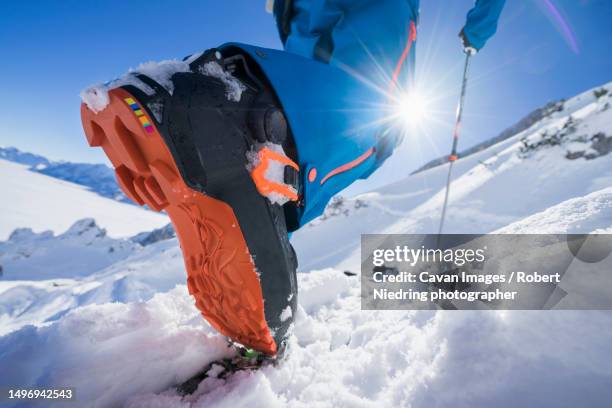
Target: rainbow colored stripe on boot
point(140, 114)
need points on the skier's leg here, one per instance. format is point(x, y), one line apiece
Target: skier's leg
point(203, 139)
point(365, 57)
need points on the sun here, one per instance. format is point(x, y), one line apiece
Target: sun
point(412, 108)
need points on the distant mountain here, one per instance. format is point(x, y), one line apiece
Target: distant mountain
point(151, 237)
point(98, 178)
point(523, 124)
point(17, 156)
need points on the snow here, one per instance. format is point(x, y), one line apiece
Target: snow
point(286, 314)
point(96, 96)
point(339, 357)
point(592, 213)
point(120, 343)
point(233, 87)
point(39, 202)
point(99, 178)
point(124, 331)
point(46, 276)
point(162, 72)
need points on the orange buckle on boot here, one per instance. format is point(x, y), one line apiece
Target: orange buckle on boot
point(265, 186)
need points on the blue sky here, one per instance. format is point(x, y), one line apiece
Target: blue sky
point(52, 49)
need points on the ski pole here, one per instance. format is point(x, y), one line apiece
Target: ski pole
point(453, 155)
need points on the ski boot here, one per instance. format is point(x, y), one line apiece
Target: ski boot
point(205, 140)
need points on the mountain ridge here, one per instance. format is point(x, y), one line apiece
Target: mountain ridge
point(521, 125)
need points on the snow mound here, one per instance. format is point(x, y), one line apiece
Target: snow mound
point(589, 214)
point(340, 356)
point(319, 288)
point(140, 346)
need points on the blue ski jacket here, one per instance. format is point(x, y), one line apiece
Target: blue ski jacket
point(342, 61)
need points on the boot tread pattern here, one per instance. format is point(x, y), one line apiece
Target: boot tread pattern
point(221, 275)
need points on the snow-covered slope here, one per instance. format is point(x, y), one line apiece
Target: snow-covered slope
point(39, 202)
point(45, 276)
point(98, 178)
point(134, 351)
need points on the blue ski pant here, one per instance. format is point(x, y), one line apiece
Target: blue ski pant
point(343, 64)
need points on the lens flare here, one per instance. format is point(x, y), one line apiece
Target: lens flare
point(413, 108)
point(562, 25)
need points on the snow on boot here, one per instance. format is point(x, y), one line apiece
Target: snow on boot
point(205, 140)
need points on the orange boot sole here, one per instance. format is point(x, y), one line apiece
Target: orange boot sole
point(221, 275)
